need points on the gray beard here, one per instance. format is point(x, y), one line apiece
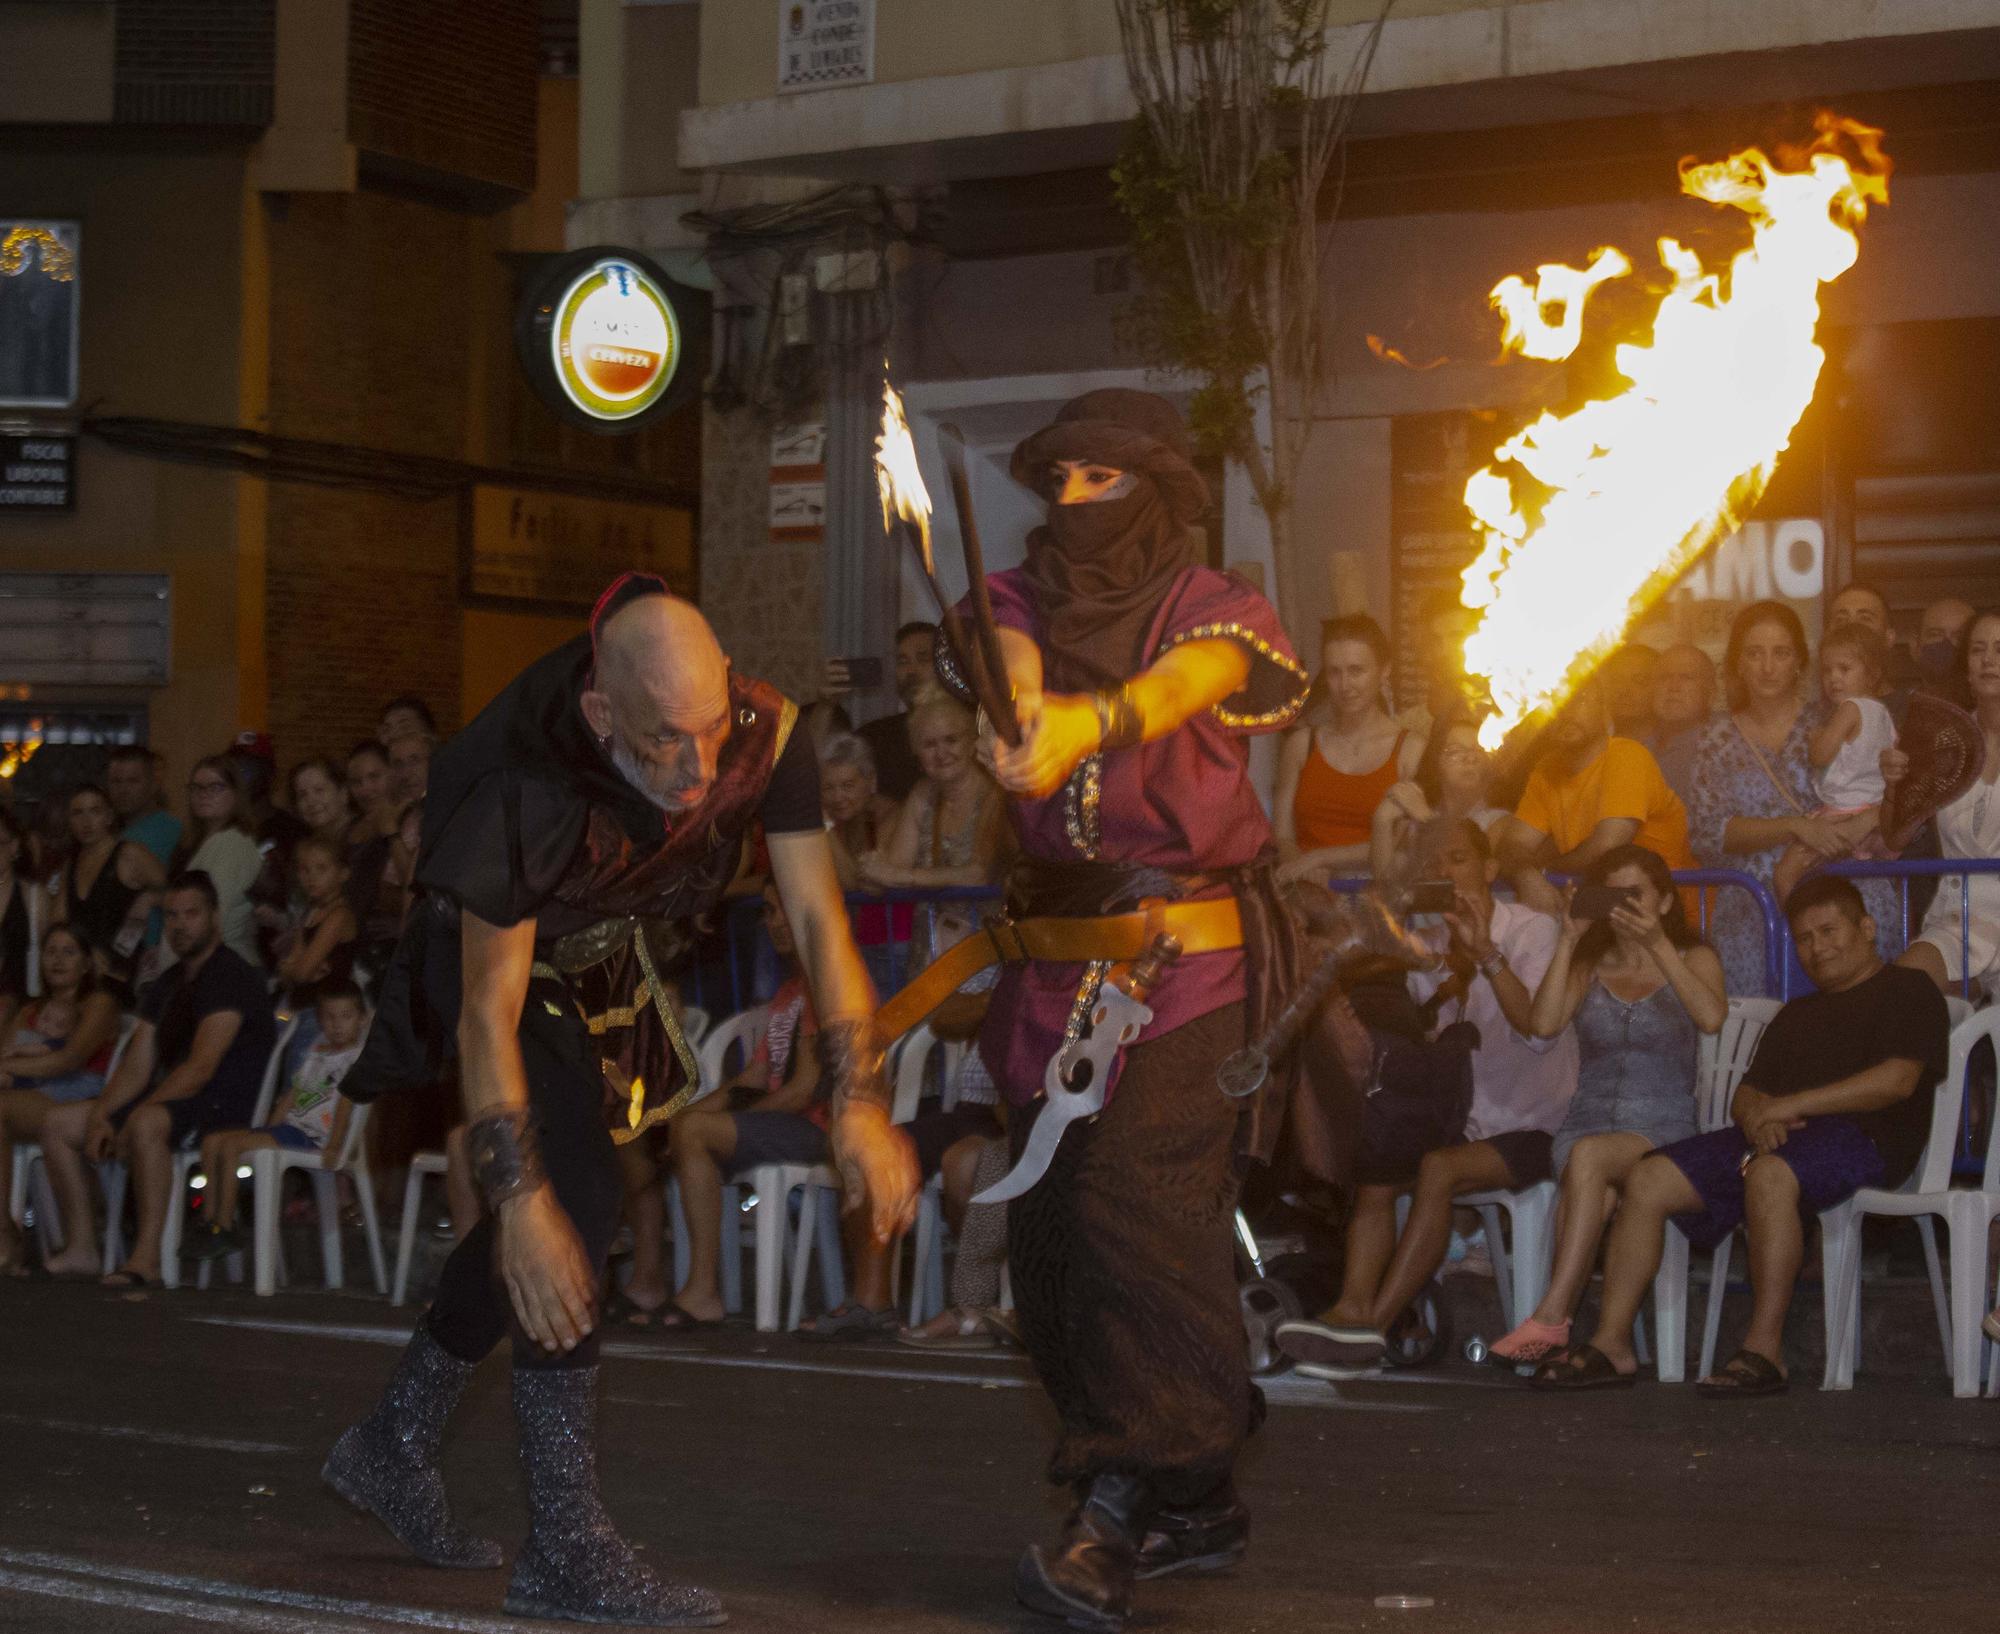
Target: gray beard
point(634, 773)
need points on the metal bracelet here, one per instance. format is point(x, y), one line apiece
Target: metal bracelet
point(505, 1156)
point(1492, 964)
point(1118, 722)
point(851, 1063)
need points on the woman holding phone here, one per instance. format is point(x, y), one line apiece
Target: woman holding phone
point(1641, 988)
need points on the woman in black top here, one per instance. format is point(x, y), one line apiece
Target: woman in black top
point(23, 910)
point(108, 885)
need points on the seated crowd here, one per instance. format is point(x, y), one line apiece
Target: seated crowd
point(1553, 1036)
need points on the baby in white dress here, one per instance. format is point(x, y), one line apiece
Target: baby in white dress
point(1846, 754)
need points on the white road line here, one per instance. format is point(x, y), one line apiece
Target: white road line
point(176, 1606)
point(134, 1432)
point(260, 1608)
point(1285, 1391)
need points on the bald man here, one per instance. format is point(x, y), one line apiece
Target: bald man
point(1683, 703)
point(1938, 633)
point(570, 833)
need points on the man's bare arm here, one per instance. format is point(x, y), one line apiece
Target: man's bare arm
point(876, 1163)
point(498, 962)
point(541, 1257)
point(809, 887)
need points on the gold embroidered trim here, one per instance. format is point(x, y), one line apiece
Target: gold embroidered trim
point(788, 717)
point(1263, 649)
point(1081, 797)
point(639, 1117)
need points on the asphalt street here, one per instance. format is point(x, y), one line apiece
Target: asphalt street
point(158, 1459)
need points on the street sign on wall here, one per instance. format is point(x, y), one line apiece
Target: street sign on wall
point(825, 42)
point(37, 473)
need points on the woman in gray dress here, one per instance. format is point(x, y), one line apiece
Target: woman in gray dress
point(1640, 988)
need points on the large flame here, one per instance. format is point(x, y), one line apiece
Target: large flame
point(897, 475)
point(1588, 518)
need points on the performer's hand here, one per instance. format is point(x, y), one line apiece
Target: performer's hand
point(547, 1276)
point(877, 1166)
point(1053, 739)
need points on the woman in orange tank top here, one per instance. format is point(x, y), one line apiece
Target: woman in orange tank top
point(1334, 770)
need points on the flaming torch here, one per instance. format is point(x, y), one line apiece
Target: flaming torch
point(905, 499)
point(1587, 518)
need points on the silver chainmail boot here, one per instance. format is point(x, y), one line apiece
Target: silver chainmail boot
point(574, 1565)
point(387, 1465)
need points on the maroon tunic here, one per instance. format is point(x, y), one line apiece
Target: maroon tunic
point(1183, 802)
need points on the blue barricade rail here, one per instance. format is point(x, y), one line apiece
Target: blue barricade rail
point(728, 971)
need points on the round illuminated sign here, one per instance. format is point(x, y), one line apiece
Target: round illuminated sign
point(614, 340)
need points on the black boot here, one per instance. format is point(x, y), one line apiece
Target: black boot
point(387, 1465)
point(1209, 1536)
point(575, 1566)
point(1087, 1581)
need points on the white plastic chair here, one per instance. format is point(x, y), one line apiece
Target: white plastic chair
point(185, 1164)
point(1926, 1196)
point(927, 1254)
point(740, 1031)
point(1522, 1275)
point(268, 1169)
point(30, 1173)
point(423, 1164)
point(1724, 1059)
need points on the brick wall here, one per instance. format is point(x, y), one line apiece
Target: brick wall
point(446, 84)
point(194, 62)
point(371, 336)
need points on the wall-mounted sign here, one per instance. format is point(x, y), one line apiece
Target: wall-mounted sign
point(825, 42)
point(533, 547)
point(40, 291)
point(37, 473)
point(604, 335)
point(798, 483)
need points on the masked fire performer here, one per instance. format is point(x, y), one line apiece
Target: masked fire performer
point(594, 807)
point(1135, 673)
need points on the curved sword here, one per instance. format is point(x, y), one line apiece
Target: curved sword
point(1116, 1019)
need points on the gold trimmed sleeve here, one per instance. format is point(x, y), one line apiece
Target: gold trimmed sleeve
point(1276, 690)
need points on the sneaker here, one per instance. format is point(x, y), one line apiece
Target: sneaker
point(1325, 1345)
point(212, 1242)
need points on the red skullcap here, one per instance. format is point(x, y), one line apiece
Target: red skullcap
point(621, 592)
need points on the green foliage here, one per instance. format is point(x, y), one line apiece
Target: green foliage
point(1173, 217)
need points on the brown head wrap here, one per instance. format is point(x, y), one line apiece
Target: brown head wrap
point(1098, 572)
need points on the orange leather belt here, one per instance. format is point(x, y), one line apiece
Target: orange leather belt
point(1200, 927)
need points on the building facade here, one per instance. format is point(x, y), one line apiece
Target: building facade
point(308, 471)
point(949, 160)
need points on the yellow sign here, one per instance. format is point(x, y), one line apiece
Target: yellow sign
point(556, 549)
point(615, 339)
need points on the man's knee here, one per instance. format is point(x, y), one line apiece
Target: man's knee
point(148, 1126)
point(1770, 1185)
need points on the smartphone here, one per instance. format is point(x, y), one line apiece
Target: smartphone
point(1433, 896)
point(854, 674)
point(1597, 901)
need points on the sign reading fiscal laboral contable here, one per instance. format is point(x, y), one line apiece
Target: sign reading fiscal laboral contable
point(825, 42)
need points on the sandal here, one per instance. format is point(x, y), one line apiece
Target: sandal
point(621, 1310)
point(1530, 1343)
point(1745, 1374)
point(967, 1329)
point(848, 1323)
point(1584, 1368)
point(674, 1317)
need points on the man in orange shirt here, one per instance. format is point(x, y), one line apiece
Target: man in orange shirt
point(1589, 793)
